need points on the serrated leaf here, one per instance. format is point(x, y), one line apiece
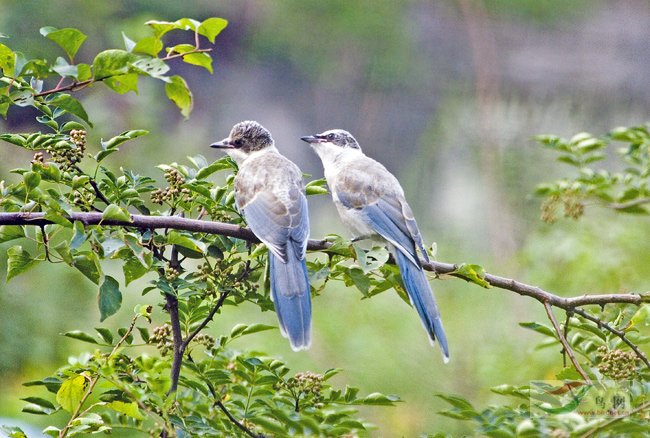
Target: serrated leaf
point(71, 392)
point(109, 298)
point(18, 261)
point(212, 27)
point(179, 93)
point(69, 39)
point(11, 232)
point(71, 106)
point(130, 409)
point(82, 336)
point(114, 212)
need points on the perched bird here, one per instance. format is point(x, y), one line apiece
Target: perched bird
point(270, 193)
point(371, 203)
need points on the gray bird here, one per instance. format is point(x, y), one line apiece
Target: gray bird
point(371, 203)
point(270, 193)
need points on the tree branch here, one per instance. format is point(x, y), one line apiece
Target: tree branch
point(567, 348)
point(232, 230)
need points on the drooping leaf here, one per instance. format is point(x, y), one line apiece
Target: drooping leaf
point(11, 232)
point(201, 59)
point(88, 264)
point(176, 238)
point(539, 328)
point(69, 39)
point(179, 93)
point(70, 105)
point(110, 297)
point(472, 273)
point(71, 392)
point(18, 261)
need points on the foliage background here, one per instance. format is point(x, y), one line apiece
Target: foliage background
point(447, 95)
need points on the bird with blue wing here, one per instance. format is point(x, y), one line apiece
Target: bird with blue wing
point(270, 193)
point(371, 204)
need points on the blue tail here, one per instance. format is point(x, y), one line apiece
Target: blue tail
point(292, 298)
point(419, 292)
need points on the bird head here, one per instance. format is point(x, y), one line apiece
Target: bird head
point(244, 139)
point(334, 138)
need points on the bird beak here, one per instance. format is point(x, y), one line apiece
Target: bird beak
point(222, 144)
point(312, 139)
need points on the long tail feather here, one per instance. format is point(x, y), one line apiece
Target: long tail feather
point(419, 292)
point(292, 298)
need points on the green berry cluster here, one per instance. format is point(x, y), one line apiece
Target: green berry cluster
point(68, 153)
point(175, 180)
point(617, 364)
point(162, 337)
point(171, 274)
point(206, 340)
point(305, 384)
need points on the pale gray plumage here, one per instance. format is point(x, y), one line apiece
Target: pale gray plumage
point(270, 192)
point(371, 203)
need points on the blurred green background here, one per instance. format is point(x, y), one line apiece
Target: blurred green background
point(447, 94)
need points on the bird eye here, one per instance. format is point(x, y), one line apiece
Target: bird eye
point(331, 136)
point(238, 143)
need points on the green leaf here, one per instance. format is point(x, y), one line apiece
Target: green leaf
point(69, 39)
point(201, 59)
point(40, 402)
point(218, 165)
point(70, 105)
point(161, 27)
point(539, 328)
point(7, 61)
point(105, 334)
point(109, 146)
point(472, 273)
point(379, 399)
point(153, 67)
point(116, 213)
point(360, 279)
point(18, 261)
point(122, 84)
point(112, 62)
point(133, 270)
point(88, 264)
point(110, 297)
point(212, 27)
point(149, 45)
point(81, 336)
point(176, 238)
point(31, 180)
point(130, 409)
point(11, 232)
point(71, 392)
point(317, 187)
point(178, 92)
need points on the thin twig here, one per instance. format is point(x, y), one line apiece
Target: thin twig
point(243, 428)
point(565, 344)
point(617, 332)
point(602, 426)
point(95, 379)
point(177, 337)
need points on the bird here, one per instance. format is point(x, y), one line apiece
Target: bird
point(371, 203)
point(270, 192)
